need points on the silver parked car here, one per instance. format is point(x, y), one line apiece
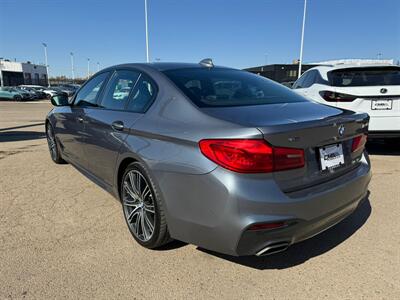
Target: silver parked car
point(213, 156)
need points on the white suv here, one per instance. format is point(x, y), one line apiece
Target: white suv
point(374, 89)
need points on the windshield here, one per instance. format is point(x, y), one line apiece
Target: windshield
point(365, 76)
point(210, 87)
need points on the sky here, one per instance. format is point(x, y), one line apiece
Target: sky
point(235, 33)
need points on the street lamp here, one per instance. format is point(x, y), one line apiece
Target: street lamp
point(47, 65)
point(302, 38)
point(72, 66)
point(88, 68)
point(1, 73)
point(98, 66)
point(147, 31)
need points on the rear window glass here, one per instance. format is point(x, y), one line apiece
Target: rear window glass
point(209, 87)
point(365, 76)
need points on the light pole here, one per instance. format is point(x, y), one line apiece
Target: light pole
point(379, 56)
point(47, 65)
point(72, 67)
point(302, 38)
point(88, 68)
point(147, 32)
point(1, 73)
point(98, 66)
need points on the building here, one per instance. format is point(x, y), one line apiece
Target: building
point(282, 73)
point(16, 73)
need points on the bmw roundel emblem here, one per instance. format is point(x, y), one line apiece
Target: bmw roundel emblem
point(341, 130)
point(383, 91)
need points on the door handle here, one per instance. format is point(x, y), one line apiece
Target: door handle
point(117, 125)
point(80, 119)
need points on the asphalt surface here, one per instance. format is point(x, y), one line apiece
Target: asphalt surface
point(61, 236)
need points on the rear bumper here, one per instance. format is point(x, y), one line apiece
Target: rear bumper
point(215, 210)
point(384, 125)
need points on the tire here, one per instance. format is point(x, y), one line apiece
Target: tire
point(17, 98)
point(144, 208)
point(53, 146)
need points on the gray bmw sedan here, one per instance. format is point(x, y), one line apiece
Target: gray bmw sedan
point(213, 156)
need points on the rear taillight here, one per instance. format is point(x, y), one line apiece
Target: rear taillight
point(359, 143)
point(336, 97)
point(251, 155)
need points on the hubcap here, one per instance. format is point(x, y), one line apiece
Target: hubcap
point(138, 204)
point(52, 143)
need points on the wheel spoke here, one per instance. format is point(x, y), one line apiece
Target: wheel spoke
point(148, 222)
point(137, 225)
point(133, 213)
point(146, 192)
point(142, 224)
point(130, 192)
point(149, 208)
point(137, 184)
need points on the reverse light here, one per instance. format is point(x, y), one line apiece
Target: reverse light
point(336, 97)
point(251, 155)
point(359, 143)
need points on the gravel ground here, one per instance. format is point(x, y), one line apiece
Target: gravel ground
point(63, 237)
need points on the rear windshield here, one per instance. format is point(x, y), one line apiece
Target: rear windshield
point(210, 87)
point(365, 76)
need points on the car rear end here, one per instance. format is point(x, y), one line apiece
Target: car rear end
point(374, 90)
point(305, 171)
point(303, 180)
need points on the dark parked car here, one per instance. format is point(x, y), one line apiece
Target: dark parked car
point(37, 93)
point(213, 156)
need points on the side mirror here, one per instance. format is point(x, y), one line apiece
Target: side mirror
point(59, 100)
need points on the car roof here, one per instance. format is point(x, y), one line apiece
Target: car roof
point(163, 66)
point(324, 69)
point(327, 68)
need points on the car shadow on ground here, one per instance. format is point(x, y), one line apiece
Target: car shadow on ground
point(15, 136)
point(381, 147)
point(303, 251)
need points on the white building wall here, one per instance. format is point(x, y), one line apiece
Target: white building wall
point(10, 66)
point(32, 74)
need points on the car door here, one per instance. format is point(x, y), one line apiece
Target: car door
point(123, 103)
point(70, 122)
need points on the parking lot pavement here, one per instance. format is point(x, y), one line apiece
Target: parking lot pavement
point(61, 236)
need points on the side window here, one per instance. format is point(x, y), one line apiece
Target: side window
point(143, 95)
point(309, 79)
point(119, 89)
point(87, 96)
point(299, 84)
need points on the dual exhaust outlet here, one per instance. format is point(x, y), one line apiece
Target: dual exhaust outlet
point(273, 248)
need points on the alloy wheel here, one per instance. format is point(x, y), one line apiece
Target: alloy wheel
point(138, 204)
point(51, 143)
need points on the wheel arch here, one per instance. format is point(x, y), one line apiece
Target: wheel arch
point(123, 164)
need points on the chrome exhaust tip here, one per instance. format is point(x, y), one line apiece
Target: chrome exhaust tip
point(273, 248)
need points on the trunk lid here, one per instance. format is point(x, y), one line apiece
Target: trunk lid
point(304, 125)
